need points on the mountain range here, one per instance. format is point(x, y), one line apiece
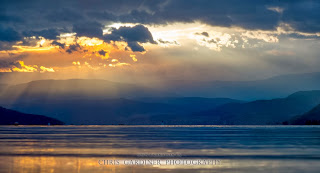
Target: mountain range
point(272, 111)
point(78, 101)
point(269, 88)
point(83, 101)
point(274, 87)
point(105, 111)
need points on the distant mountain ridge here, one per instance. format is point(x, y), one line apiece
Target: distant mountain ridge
point(274, 87)
point(262, 111)
point(105, 111)
point(269, 88)
point(190, 103)
point(311, 117)
point(9, 117)
point(78, 88)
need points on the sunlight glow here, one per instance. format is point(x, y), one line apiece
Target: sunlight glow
point(25, 68)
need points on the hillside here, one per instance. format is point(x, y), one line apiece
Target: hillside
point(312, 117)
point(191, 103)
point(9, 117)
point(262, 111)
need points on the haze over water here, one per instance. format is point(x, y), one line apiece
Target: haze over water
point(73, 149)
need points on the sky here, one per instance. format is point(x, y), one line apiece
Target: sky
point(158, 40)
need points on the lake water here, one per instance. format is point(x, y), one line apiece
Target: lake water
point(86, 149)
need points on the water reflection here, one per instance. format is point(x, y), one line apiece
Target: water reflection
point(79, 148)
point(89, 165)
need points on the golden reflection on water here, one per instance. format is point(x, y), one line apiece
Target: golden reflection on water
point(79, 149)
point(23, 164)
point(31, 161)
point(27, 164)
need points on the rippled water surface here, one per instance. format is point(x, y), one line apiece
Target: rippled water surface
point(74, 149)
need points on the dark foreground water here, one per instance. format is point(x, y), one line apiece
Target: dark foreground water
point(74, 149)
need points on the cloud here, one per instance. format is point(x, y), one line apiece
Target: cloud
point(46, 33)
point(8, 63)
point(217, 41)
point(248, 14)
point(88, 29)
point(103, 15)
point(64, 15)
point(44, 19)
point(102, 52)
point(134, 58)
point(167, 42)
point(56, 43)
point(22, 67)
point(135, 47)
point(134, 36)
point(267, 37)
point(6, 45)
point(138, 33)
point(276, 9)
point(260, 18)
point(303, 16)
point(45, 69)
point(206, 34)
point(8, 34)
point(16, 64)
point(11, 19)
point(73, 47)
point(11, 61)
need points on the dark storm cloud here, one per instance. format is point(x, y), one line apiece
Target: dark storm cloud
point(8, 34)
point(88, 29)
point(138, 33)
point(87, 18)
point(56, 43)
point(64, 15)
point(206, 34)
point(102, 52)
point(29, 41)
point(6, 45)
point(135, 47)
point(9, 64)
point(11, 19)
point(304, 15)
point(132, 35)
point(8, 37)
point(46, 33)
point(103, 15)
point(247, 14)
point(73, 47)
point(12, 61)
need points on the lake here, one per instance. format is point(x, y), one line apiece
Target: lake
point(74, 149)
